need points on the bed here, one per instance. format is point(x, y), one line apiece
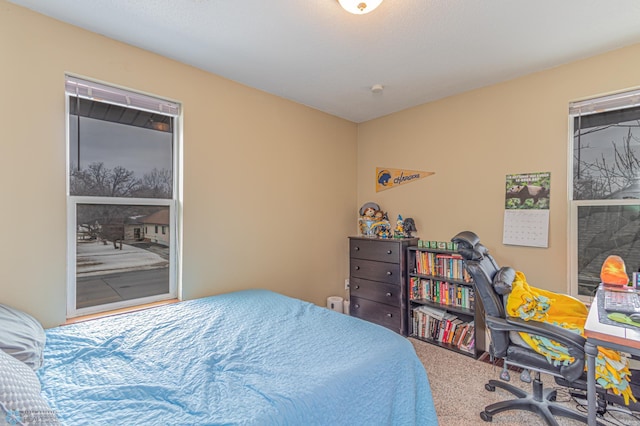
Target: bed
point(248, 357)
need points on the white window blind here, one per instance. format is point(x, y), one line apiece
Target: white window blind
point(606, 103)
point(101, 92)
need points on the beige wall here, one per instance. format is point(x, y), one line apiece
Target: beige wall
point(473, 140)
point(270, 188)
point(269, 185)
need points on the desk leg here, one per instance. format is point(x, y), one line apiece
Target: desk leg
point(592, 352)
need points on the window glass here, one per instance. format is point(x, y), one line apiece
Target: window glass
point(115, 159)
point(115, 261)
point(606, 151)
point(604, 230)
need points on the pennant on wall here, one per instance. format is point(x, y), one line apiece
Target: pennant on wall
point(390, 178)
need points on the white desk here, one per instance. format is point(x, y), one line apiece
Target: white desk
point(610, 336)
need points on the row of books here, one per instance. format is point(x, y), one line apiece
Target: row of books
point(443, 327)
point(442, 292)
point(441, 265)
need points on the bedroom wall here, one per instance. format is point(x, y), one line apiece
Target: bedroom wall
point(473, 140)
point(269, 185)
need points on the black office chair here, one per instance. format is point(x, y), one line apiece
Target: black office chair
point(493, 285)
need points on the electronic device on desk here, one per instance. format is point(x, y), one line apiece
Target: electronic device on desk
point(621, 300)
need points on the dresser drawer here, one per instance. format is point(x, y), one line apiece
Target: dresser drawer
point(379, 313)
point(378, 250)
point(375, 291)
point(376, 271)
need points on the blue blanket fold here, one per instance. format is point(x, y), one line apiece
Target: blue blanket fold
point(249, 357)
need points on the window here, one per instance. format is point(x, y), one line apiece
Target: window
point(122, 175)
point(605, 187)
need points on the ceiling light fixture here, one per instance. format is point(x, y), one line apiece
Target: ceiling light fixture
point(359, 7)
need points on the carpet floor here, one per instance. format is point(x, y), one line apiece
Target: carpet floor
point(457, 384)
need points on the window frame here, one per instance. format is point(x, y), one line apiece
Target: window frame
point(174, 204)
point(625, 99)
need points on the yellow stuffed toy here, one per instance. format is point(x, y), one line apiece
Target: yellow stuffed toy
point(529, 303)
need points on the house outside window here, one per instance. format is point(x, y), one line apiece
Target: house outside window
point(161, 221)
point(122, 170)
point(605, 187)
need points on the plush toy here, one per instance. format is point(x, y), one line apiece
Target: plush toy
point(369, 212)
point(369, 209)
point(367, 219)
point(382, 229)
point(381, 226)
point(380, 215)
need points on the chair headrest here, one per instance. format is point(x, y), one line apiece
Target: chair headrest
point(466, 239)
point(470, 253)
point(476, 252)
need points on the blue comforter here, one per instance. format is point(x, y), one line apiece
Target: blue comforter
point(249, 357)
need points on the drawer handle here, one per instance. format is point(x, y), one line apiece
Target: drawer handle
point(357, 287)
point(389, 315)
point(389, 273)
point(356, 306)
point(389, 252)
point(356, 248)
point(357, 268)
point(388, 294)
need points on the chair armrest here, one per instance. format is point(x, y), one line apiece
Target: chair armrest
point(572, 341)
point(563, 336)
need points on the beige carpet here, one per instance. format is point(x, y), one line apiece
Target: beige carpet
point(457, 383)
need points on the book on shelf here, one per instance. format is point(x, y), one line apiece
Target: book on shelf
point(443, 327)
point(435, 312)
point(460, 330)
point(448, 265)
point(468, 341)
point(460, 337)
point(468, 347)
point(452, 331)
point(442, 292)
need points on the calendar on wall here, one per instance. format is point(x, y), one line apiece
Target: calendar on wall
point(526, 214)
point(526, 228)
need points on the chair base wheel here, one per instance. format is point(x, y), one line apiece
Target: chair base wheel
point(489, 387)
point(486, 416)
point(504, 375)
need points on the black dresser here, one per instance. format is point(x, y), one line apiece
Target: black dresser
point(377, 281)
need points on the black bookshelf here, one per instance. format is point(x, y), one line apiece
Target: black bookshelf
point(441, 301)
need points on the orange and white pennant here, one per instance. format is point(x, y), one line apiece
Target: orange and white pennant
point(390, 178)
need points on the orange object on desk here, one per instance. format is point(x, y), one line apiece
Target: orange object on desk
point(614, 271)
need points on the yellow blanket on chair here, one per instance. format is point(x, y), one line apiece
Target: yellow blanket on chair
point(530, 303)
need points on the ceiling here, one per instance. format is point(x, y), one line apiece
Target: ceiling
point(315, 53)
